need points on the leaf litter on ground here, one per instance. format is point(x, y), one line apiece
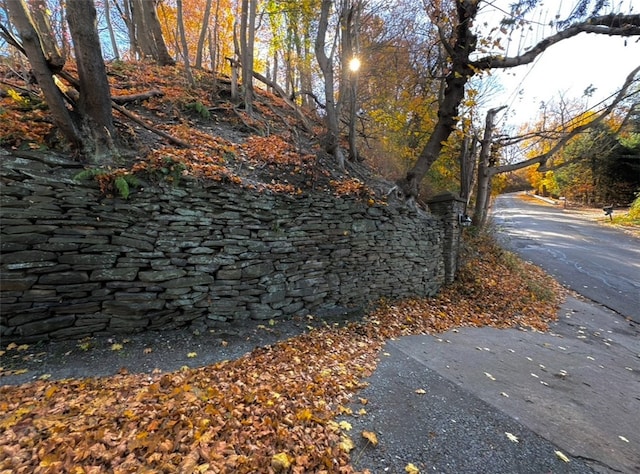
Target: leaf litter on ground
point(268, 411)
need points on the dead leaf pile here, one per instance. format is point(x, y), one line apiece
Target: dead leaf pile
point(270, 411)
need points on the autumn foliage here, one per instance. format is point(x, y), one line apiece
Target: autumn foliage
point(272, 410)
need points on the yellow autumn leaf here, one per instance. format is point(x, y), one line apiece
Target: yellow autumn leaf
point(371, 437)
point(346, 444)
point(562, 456)
point(421, 391)
point(304, 415)
point(411, 469)
point(191, 355)
point(280, 462)
point(345, 425)
point(116, 347)
point(362, 411)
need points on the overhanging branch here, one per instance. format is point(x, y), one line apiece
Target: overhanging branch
point(542, 159)
point(610, 25)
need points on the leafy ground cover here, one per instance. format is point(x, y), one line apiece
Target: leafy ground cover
point(272, 410)
point(207, 135)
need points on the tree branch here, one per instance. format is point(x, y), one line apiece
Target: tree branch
point(611, 25)
point(542, 159)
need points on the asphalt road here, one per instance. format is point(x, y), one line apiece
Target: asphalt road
point(599, 262)
point(507, 401)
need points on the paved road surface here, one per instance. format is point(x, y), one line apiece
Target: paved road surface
point(575, 389)
point(599, 262)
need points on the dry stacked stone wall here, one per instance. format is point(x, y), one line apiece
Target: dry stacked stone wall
point(75, 263)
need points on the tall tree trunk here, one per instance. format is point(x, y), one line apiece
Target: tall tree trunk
point(483, 194)
point(112, 36)
point(325, 62)
point(149, 32)
point(31, 43)
point(203, 35)
point(235, 61)
point(467, 167)
point(351, 20)
point(247, 39)
point(126, 14)
point(163, 58)
point(144, 44)
point(95, 98)
point(184, 44)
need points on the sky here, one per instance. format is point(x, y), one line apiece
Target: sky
point(566, 68)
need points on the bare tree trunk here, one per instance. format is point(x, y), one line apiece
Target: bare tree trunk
point(247, 39)
point(185, 45)
point(467, 167)
point(148, 32)
point(234, 63)
point(326, 66)
point(143, 41)
point(351, 20)
point(127, 17)
point(151, 18)
point(203, 34)
point(95, 99)
point(483, 194)
point(112, 36)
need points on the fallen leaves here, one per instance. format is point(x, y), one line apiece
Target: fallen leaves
point(560, 455)
point(274, 407)
point(280, 462)
point(371, 437)
point(411, 469)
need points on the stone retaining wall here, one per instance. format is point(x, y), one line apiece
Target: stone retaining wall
point(75, 263)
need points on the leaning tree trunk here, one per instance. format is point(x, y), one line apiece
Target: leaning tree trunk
point(203, 35)
point(31, 43)
point(184, 45)
point(94, 104)
point(40, 17)
point(456, 80)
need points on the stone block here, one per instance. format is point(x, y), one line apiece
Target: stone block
point(161, 275)
point(16, 281)
point(46, 326)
